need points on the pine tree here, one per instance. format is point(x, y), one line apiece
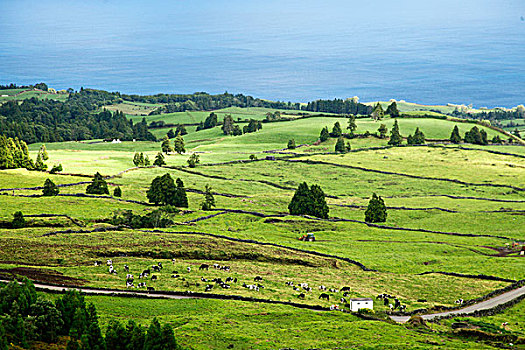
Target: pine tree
point(340, 145)
point(378, 112)
point(319, 207)
point(209, 200)
point(291, 144)
point(227, 126)
point(170, 134)
point(39, 163)
point(115, 336)
point(98, 185)
point(395, 136)
point(382, 131)
point(181, 199)
point(475, 136)
point(392, 110)
point(417, 139)
point(136, 336)
point(309, 201)
point(159, 160)
point(236, 130)
point(336, 130)
point(117, 192)
point(454, 136)
point(325, 135)
point(496, 139)
point(95, 341)
point(162, 190)
point(179, 144)
point(352, 126)
point(43, 151)
point(18, 220)
point(181, 129)
point(376, 211)
point(154, 339)
point(168, 338)
point(50, 189)
point(136, 159)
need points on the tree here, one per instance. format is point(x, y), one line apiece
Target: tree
point(162, 190)
point(181, 129)
point(18, 220)
point(43, 151)
point(376, 211)
point(47, 320)
point(395, 136)
point(181, 199)
point(496, 139)
point(382, 131)
point(193, 160)
point(146, 161)
point(291, 144)
point(454, 136)
point(98, 185)
point(136, 160)
point(209, 200)
point(115, 336)
point(117, 192)
point(50, 189)
point(309, 201)
point(56, 168)
point(417, 139)
point(325, 135)
point(154, 337)
point(166, 146)
point(340, 145)
point(475, 136)
point(168, 338)
point(227, 126)
point(352, 126)
point(179, 144)
point(39, 163)
point(516, 133)
point(159, 160)
point(170, 134)
point(392, 110)
point(236, 130)
point(336, 130)
point(378, 112)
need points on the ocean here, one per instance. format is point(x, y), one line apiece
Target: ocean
point(430, 52)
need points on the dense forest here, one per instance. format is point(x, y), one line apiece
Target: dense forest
point(348, 106)
point(35, 120)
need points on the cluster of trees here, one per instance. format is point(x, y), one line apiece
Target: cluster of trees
point(98, 185)
point(339, 106)
point(14, 154)
point(417, 139)
point(209, 122)
point(26, 317)
point(230, 128)
point(152, 219)
point(395, 137)
point(202, 101)
point(253, 126)
point(164, 191)
point(140, 160)
point(494, 115)
point(475, 136)
point(309, 201)
point(376, 210)
point(179, 130)
point(178, 145)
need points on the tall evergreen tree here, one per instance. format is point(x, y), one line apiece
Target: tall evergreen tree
point(395, 136)
point(159, 160)
point(319, 207)
point(193, 160)
point(181, 199)
point(209, 200)
point(181, 130)
point(18, 220)
point(376, 211)
point(392, 110)
point(309, 201)
point(170, 134)
point(162, 190)
point(166, 146)
point(382, 131)
point(117, 192)
point(50, 189)
point(98, 185)
point(325, 135)
point(227, 126)
point(39, 163)
point(43, 151)
point(336, 130)
point(154, 339)
point(454, 136)
point(352, 126)
point(378, 112)
point(340, 145)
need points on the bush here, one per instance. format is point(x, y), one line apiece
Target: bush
point(50, 189)
point(193, 160)
point(291, 144)
point(117, 192)
point(376, 211)
point(98, 185)
point(55, 169)
point(18, 220)
point(151, 220)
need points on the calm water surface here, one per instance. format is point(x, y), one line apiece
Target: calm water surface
point(469, 51)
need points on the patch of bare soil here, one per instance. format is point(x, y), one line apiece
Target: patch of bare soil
point(41, 275)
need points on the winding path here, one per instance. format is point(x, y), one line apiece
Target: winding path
point(484, 305)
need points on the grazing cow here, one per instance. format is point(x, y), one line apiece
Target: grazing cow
point(225, 286)
point(396, 303)
point(156, 268)
point(296, 288)
point(204, 267)
point(258, 279)
point(216, 266)
point(301, 296)
point(235, 280)
point(173, 261)
point(459, 301)
point(154, 278)
point(225, 268)
point(308, 289)
point(386, 302)
point(333, 290)
point(322, 288)
point(324, 296)
point(391, 307)
point(402, 308)
point(343, 301)
point(126, 267)
point(345, 289)
point(109, 262)
point(204, 279)
point(129, 277)
point(188, 268)
point(345, 294)
point(129, 284)
point(229, 279)
point(98, 263)
point(146, 272)
point(303, 285)
point(159, 265)
point(208, 287)
point(151, 289)
point(289, 283)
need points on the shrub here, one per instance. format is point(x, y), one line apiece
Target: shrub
point(193, 160)
point(291, 144)
point(55, 169)
point(98, 185)
point(18, 220)
point(117, 192)
point(376, 211)
point(50, 189)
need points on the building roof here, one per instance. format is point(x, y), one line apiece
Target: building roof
point(361, 299)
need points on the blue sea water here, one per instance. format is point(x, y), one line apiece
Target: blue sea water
point(433, 51)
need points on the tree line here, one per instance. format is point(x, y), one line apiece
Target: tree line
point(26, 317)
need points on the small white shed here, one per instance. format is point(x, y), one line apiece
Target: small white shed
point(361, 303)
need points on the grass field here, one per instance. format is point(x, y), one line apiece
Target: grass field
point(450, 209)
point(22, 94)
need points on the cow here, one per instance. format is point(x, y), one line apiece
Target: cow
point(322, 288)
point(109, 262)
point(98, 263)
point(175, 276)
point(324, 296)
point(301, 296)
point(126, 267)
point(189, 269)
point(154, 278)
point(345, 289)
point(257, 279)
point(204, 267)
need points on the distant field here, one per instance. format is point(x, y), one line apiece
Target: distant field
point(22, 94)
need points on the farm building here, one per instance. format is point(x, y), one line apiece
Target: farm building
point(361, 303)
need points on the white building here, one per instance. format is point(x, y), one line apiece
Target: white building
point(361, 303)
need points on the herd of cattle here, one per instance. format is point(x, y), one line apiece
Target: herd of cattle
point(301, 288)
